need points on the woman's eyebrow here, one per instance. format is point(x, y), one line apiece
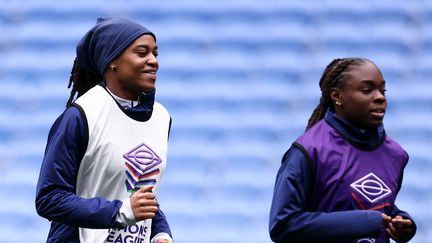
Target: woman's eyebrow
point(372, 82)
point(145, 46)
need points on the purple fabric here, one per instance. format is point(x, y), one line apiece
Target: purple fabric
point(349, 178)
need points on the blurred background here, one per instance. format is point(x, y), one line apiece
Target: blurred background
point(240, 79)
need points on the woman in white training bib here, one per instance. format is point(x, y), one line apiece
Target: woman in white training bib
point(106, 153)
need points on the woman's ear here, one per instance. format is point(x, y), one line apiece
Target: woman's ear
point(112, 67)
point(335, 95)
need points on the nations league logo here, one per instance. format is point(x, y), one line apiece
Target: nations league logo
point(141, 162)
point(371, 187)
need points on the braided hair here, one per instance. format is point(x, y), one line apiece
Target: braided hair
point(80, 81)
point(332, 77)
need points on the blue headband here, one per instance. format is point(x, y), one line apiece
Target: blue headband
point(106, 41)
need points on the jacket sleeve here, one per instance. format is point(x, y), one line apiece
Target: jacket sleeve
point(56, 197)
point(291, 222)
point(396, 211)
point(160, 224)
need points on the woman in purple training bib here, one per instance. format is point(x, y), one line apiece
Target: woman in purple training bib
point(339, 181)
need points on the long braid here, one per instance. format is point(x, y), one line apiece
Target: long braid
point(330, 78)
point(321, 108)
point(81, 81)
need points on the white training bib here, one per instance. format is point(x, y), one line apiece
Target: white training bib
point(122, 155)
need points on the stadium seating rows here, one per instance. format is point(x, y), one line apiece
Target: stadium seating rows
point(240, 79)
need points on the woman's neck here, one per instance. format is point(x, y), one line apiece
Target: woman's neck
point(368, 138)
point(124, 102)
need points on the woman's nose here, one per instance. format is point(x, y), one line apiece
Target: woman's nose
point(379, 96)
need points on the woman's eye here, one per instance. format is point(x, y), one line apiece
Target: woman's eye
point(367, 91)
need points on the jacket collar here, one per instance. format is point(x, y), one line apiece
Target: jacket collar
point(363, 138)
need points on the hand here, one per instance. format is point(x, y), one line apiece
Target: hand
point(400, 229)
point(143, 203)
point(386, 218)
point(163, 241)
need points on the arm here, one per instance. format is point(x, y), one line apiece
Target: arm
point(127, 215)
point(402, 227)
point(289, 219)
point(55, 196)
point(160, 224)
point(160, 228)
point(396, 211)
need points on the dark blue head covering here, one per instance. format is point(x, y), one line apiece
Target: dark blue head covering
point(106, 41)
